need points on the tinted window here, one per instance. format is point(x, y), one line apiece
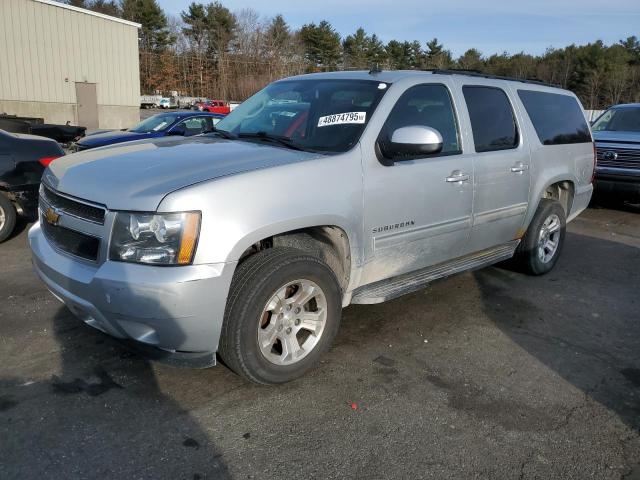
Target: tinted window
point(492, 120)
point(625, 119)
point(426, 105)
point(558, 119)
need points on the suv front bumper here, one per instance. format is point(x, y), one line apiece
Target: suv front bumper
point(176, 309)
point(620, 182)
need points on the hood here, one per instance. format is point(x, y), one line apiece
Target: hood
point(138, 175)
point(116, 136)
point(617, 137)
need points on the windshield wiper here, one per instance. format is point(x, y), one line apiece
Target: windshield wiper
point(280, 140)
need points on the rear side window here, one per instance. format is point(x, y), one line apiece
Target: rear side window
point(558, 119)
point(492, 120)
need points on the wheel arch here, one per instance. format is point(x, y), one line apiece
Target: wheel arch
point(328, 241)
point(559, 187)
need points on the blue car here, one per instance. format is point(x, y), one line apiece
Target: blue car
point(181, 123)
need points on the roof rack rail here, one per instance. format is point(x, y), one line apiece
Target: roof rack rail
point(476, 73)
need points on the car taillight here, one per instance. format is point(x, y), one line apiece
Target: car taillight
point(45, 161)
point(595, 162)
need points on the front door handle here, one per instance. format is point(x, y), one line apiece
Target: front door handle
point(519, 167)
point(458, 177)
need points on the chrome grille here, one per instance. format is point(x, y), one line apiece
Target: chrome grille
point(72, 207)
point(618, 157)
point(70, 225)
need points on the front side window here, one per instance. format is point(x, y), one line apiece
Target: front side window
point(492, 121)
point(157, 123)
point(195, 125)
point(314, 115)
point(626, 119)
point(557, 119)
point(428, 106)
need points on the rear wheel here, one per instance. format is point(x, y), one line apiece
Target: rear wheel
point(7, 217)
point(542, 243)
point(282, 314)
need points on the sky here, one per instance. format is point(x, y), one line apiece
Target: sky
point(491, 26)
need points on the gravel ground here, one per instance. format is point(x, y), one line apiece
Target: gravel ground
point(489, 374)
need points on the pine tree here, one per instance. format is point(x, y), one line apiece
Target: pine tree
point(321, 43)
point(154, 34)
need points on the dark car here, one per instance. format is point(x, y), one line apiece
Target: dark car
point(23, 158)
point(617, 136)
point(181, 123)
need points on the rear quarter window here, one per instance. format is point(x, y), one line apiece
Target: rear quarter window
point(557, 119)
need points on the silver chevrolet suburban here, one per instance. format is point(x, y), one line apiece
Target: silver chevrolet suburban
point(319, 191)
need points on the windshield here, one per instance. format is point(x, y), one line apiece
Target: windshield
point(314, 115)
point(625, 119)
point(157, 123)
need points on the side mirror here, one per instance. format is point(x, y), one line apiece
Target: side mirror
point(178, 130)
point(408, 143)
point(413, 141)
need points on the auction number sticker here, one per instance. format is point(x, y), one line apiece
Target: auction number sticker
point(342, 118)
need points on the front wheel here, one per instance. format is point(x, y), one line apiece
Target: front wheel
point(540, 248)
point(7, 217)
point(282, 314)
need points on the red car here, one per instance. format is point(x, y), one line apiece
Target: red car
point(214, 106)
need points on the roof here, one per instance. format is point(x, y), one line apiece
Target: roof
point(88, 12)
point(390, 76)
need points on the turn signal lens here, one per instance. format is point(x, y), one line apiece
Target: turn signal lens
point(189, 238)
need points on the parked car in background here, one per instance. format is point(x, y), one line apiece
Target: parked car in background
point(217, 106)
point(167, 103)
point(23, 158)
point(64, 134)
point(617, 136)
point(198, 105)
point(317, 192)
point(184, 124)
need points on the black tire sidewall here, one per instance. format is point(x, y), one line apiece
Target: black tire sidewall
point(9, 217)
point(528, 250)
point(247, 308)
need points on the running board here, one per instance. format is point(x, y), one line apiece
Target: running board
point(391, 288)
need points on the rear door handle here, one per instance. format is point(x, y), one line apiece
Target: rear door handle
point(519, 168)
point(457, 177)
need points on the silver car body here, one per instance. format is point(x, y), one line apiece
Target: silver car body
point(394, 220)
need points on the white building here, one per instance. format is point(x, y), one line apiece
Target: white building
point(68, 64)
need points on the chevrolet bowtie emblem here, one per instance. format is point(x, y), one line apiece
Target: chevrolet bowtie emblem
point(51, 216)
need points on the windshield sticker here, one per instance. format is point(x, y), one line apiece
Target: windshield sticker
point(342, 118)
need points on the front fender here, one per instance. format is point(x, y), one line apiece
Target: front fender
point(240, 210)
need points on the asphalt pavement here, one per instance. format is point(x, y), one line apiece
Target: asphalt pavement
point(490, 374)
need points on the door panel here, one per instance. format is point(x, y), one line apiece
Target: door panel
point(501, 165)
point(413, 216)
point(87, 105)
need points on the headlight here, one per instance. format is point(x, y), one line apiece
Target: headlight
point(155, 238)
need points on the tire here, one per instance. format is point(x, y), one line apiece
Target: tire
point(534, 254)
point(252, 312)
point(7, 217)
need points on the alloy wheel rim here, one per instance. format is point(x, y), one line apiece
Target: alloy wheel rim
point(292, 322)
point(549, 238)
point(2, 218)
